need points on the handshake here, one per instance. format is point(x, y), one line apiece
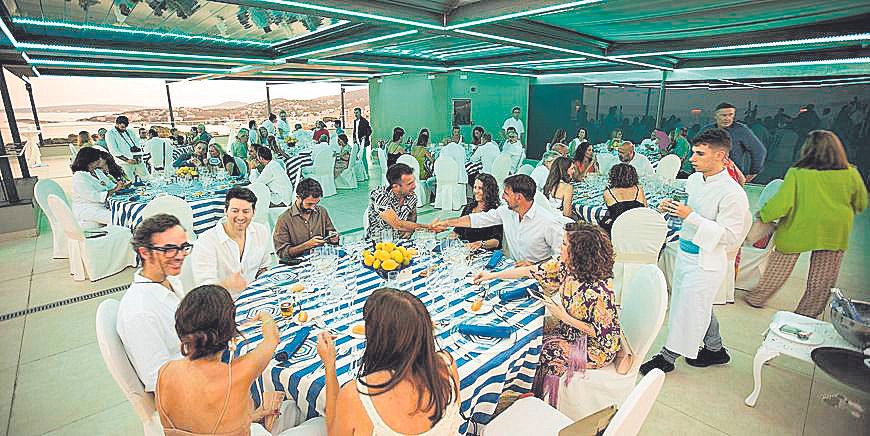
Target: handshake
point(439, 225)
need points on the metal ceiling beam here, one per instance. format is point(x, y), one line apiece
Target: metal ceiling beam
point(366, 11)
point(490, 11)
point(776, 58)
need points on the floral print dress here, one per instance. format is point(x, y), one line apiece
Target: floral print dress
point(566, 349)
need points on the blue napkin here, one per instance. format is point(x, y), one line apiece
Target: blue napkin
point(496, 257)
point(133, 198)
point(124, 191)
point(516, 294)
point(489, 331)
point(138, 183)
point(293, 346)
point(222, 191)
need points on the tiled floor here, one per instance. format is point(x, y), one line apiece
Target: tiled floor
point(53, 380)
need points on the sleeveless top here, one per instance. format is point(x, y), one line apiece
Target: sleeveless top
point(618, 208)
point(448, 425)
point(244, 431)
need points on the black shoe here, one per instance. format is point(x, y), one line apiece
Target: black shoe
point(656, 362)
point(706, 358)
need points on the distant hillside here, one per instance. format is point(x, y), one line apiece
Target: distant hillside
point(304, 111)
point(226, 105)
point(76, 108)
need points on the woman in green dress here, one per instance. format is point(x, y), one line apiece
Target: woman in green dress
point(395, 148)
point(420, 151)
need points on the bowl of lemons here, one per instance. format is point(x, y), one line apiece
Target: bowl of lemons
point(387, 256)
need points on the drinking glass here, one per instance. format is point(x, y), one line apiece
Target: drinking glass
point(387, 235)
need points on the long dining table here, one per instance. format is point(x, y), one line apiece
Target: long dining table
point(487, 367)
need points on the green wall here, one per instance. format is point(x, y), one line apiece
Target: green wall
point(413, 101)
point(550, 108)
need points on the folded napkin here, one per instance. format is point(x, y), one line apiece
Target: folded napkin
point(489, 331)
point(138, 183)
point(124, 191)
point(222, 191)
point(133, 198)
point(293, 346)
point(516, 294)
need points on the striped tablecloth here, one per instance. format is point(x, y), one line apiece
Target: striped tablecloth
point(178, 151)
point(295, 163)
point(483, 376)
point(591, 208)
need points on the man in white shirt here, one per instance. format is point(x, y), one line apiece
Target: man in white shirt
point(486, 153)
point(531, 232)
point(270, 125)
point(298, 133)
point(640, 162)
point(515, 122)
point(273, 175)
point(235, 251)
point(122, 142)
point(160, 150)
point(283, 125)
point(146, 314)
point(514, 148)
point(716, 220)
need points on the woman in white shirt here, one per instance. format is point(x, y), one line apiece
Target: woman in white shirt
point(273, 176)
point(90, 189)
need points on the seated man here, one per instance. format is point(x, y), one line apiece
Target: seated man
point(146, 314)
point(273, 176)
point(305, 224)
point(532, 233)
point(542, 171)
point(237, 250)
point(640, 162)
point(394, 206)
point(486, 153)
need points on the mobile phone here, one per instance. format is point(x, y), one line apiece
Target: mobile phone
point(331, 235)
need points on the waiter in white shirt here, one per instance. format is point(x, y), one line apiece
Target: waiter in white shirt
point(531, 231)
point(235, 251)
point(456, 151)
point(273, 176)
point(641, 163)
point(146, 314)
point(123, 142)
point(715, 220)
point(515, 122)
point(160, 150)
point(514, 148)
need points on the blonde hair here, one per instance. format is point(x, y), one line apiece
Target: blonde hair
point(823, 150)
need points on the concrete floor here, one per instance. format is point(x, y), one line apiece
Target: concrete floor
point(53, 380)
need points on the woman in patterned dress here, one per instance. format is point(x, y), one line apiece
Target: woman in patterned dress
point(583, 331)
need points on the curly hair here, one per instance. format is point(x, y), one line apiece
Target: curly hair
point(205, 321)
point(590, 252)
point(490, 192)
point(623, 175)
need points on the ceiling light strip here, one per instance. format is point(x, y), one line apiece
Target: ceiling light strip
point(543, 61)
point(543, 10)
point(334, 10)
point(504, 73)
point(93, 65)
point(62, 48)
point(822, 40)
point(375, 64)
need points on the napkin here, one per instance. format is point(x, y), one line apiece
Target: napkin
point(133, 198)
point(489, 331)
point(293, 346)
point(516, 294)
point(124, 191)
point(222, 191)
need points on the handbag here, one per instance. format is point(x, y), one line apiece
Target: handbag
point(624, 357)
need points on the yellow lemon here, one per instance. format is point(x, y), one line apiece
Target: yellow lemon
point(397, 256)
point(412, 252)
point(402, 249)
point(382, 255)
point(376, 264)
point(389, 246)
point(379, 246)
point(406, 261)
point(389, 265)
point(367, 253)
point(369, 260)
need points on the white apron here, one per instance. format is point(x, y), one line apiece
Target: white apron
point(692, 295)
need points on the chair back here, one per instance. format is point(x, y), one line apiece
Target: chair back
point(174, 206)
point(643, 310)
point(606, 161)
point(264, 198)
point(64, 216)
point(119, 364)
point(630, 417)
point(366, 219)
point(44, 188)
point(525, 169)
point(73, 151)
point(382, 161)
point(324, 163)
point(668, 167)
point(638, 236)
point(445, 170)
point(487, 158)
point(242, 166)
point(501, 168)
point(770, 189)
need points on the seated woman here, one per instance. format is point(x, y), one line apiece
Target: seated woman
point(584, 161)
point(263, 136)
point(623, 194)
point(405, 386)
point(342, 161)
point(558, 188)
point(111, 171)
point(91, 187)
point(420, 151)
point(196, 158)
point(584, 331)
point(615, 139)
point(201, 394)
point(395, 148)
point(227, 162)
point(485, 199)
point(321, 131)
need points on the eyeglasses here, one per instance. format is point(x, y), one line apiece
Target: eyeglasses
point(172, 250)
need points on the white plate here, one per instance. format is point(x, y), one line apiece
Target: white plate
point(814, 339)
point(313, 314)
point(283, 277)
point(269, 308)
point(485, 308)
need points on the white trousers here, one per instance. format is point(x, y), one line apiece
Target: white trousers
point(92, 213)
point(692, 294)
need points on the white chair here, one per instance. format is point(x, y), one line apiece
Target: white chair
point(41, 191)
point(421, 189)
point(449, 193)
point(122, 370)
point(668, 167)
point(605, 162)
point(641, 318)
point(638, 236)
point(359, 166)
point(261, 209)
point(174, 206)
point(382, 162)
point(531, 415)
point(525, 169)
point(93, 258)
point(242, 166)
point(73, 151)
point(365, 219)
point(347, 178)
point(501, 169)
point(324, 171)
point(540, 175)
point(487, 158)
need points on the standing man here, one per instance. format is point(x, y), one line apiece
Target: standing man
point(747, 151)
point(270, 125)
point(235, 251)
point(123, 144)
point(514, 148)
point(283, 125)
point(362, 132)
point(146, 314)
point(394, 206)
point(305, 225)
point(515, 122)
point(715, 220)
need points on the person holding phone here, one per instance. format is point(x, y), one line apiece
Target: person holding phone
point(305, 224)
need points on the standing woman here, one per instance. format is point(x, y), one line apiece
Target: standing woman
point(420, 151)
point(485, 199)
point(395, 148)
point(582, 138)
point(90, 189)
point(253, 132)
point(815, 206)
point(558, 188)
point(342, 161)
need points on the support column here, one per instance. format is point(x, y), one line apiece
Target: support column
point(597, 102)
point(661, 106)
point(169, 101)
point(648, 95)
point(29, 88)
point(268, 103)
point(13, 123)
point(343, 125)
point(7, 177)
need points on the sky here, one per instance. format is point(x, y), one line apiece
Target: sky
point(61, 90)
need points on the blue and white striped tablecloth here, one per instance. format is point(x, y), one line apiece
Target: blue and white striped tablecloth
point(207, 211)
point(178, 151)
point(592, 209)
point(483, 376)
point(295, 163)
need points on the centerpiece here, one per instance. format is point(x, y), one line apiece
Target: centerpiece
point(387, 257)
point(291, 141)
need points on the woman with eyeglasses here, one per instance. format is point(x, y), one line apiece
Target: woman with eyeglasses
point(91, 187)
